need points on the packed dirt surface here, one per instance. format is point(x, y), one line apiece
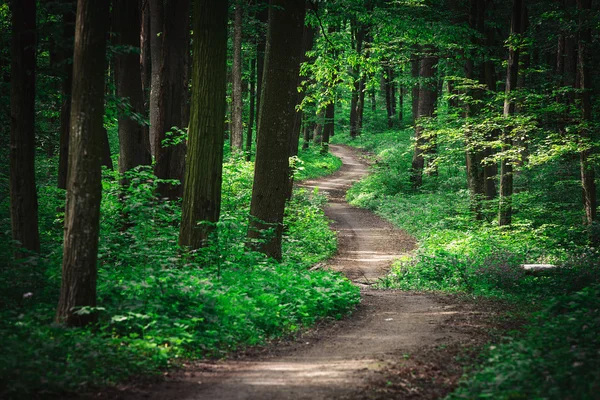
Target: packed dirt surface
point(382, 350)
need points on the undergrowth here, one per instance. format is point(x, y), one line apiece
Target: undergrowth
point(157, 305)
point(557, 356)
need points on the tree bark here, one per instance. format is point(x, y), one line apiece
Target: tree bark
point(328, 126)
point(23, 195)
point(588, 183)
point(251, 107)
point(236, 91)
point(414, 71)
point(68, 20)
point(359, 37)
point(169, 93)
point(133, 145)
point(82, 214)
point(263, 17)
point(276, 125)
point(506, 164)
point(204, 167)
point(425, 109)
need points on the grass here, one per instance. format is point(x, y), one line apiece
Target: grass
point(157, 307)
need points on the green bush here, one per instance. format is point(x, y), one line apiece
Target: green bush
point(157, 304)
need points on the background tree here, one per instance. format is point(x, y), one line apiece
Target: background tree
point(23, 194)
point(236, 91)
point(82, 213)
point(276, 124)
point(134, 145)
point(204, 166)
point(169, 89)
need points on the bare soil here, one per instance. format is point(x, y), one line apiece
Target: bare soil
point(403, 345)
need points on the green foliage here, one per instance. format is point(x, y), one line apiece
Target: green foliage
point(158, 305)
point(556, 358)
point(311, 163)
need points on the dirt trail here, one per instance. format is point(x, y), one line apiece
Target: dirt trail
point(339, 360)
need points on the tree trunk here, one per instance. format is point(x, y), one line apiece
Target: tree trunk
point(68, 20)
point(23, 195)
point(263, 17)
point(588, 183)
point(82, 214)
point(388, 96)
point(474, 151)
point(146, 67)
point(506, 164)
point(425, 109)
point(170, 39)
point(328, 126)
point(359, 37)
point(133, 150)
point(252, 99)
point(204, 168)
point(236, 91)
point(276, 124)
point(414, 71)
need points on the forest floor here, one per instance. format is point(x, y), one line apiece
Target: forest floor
point(397, 344)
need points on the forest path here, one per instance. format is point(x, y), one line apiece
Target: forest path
point(340, 360)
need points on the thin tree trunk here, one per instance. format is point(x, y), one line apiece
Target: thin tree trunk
point(414, 71)
point(506, 165)
point(126, 20)
point(277, 122)
point(82, 214)
point(588, 183)
point(359, 36)
point(252, 99)
point(236, 91)
point(328, 126)
point(204, 169)
point(23, 195)
point(68, 20)
point(388, 96)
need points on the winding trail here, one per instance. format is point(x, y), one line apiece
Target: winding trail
point(338, 360)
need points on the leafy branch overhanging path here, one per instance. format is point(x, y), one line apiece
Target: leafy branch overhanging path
point(336, 361)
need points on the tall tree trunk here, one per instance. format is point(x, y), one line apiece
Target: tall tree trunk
point(236, 91)
point(506, 164)
point(328, 126)
point(82, 214)
point(263, 17)
point(146, 66)
point(401, 105)
point(388, 96)
point(359, 37)
point(252, 100)
point(23, 195)
point(68, 20)
point(588, 183)
point(475, 151)
point(276, 124)
point(204, 168)
point(133, 150)
point(425, 109)
point(170, 24)
point(414, 72)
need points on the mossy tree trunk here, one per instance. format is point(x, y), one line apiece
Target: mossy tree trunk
point(82, 214)
point(204, 166)
point(276, 124)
